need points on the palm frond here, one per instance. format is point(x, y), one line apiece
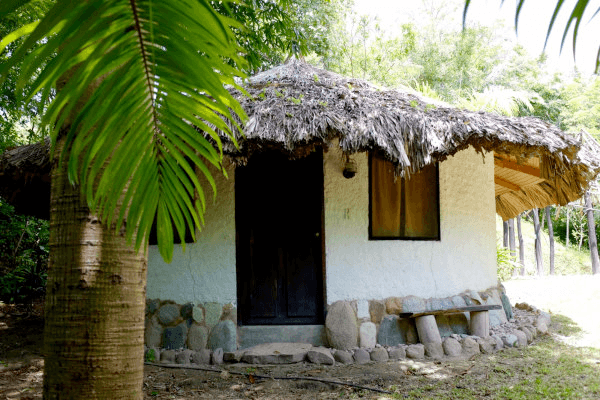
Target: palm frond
point(138, 80)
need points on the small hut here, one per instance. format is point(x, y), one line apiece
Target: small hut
point(352, 202)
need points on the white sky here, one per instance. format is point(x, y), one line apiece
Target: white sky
point(533, 24)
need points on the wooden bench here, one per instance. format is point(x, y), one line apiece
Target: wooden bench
point(429, 332)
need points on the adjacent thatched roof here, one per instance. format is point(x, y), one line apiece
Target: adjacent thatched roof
point(295, 107)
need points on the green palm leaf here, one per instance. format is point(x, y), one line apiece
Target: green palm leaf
point(136, 80)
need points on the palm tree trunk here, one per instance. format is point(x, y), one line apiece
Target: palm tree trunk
point(505, 234)
point(521, 246)
point(95, 299)
point(538, 243)
point(567, 237)
point(592, 240)
point(551, 238)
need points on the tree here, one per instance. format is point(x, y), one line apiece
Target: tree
point(592, 240)
point(521, 246)
point(538, 242)
point(551, 238)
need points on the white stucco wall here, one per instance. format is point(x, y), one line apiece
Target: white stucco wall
point(205, 272)
point(356, 268)
point(464, 258)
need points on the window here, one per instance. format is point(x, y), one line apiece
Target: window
point(402, 208)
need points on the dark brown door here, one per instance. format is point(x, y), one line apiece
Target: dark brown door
point(279, 207)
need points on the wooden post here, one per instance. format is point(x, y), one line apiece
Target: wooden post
point(592, 240)
point(521, 245)
point(505, 233)
point(538, 243)
point(480, 323)
point(427, 329)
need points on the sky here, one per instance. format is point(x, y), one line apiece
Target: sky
point(533, 24)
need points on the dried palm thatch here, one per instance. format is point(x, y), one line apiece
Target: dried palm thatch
point(295, 107)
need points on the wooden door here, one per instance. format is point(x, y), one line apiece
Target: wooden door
point(279, 211)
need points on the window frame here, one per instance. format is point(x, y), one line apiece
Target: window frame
point(437, 238)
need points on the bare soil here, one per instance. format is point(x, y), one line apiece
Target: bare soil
point(548, 368)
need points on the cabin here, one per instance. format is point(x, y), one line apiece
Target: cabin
point(345, 205)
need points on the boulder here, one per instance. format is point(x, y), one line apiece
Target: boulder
point(175, 337)
point(506, 306)
point(167, 356)
point(397, 353)
point(198, 314)
point(229, 313)
point(521, 337)
point(186, 310)
point(276, 353)
point(413, 304)
point(376, 310)
point(361, 356)
point(509, 340)
point(341, 326)
point(153, 332)
point(394, 331)
point(343, 356)
point(379, 354)
point(169, 314)
point(233, 356)
point(152, 305)
point(197, 337)
point(528, 333)
point(393, 305)
point(470, 346)
point(458, 301)
point(487, 345)
point(201, 357)
point(452, 347)
point(320, 355)
point(367, 335)
point(184, 356)
point(541, 327)
point(434, 350)
point(499, 342)
point(415, 351)
point(212, 313)
point(362, 310)
point(216, 358)
point(224, 336)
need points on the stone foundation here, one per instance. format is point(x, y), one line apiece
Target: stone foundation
point(349, 324)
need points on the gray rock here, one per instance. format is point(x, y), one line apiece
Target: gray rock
point(362, 309)
point(458, 301)
point(152, 305)
point(341, 326)
point(443, 324)
point(169, 314)
point(361, 356)
point(434, 304)
point(533, 330)
point(343, 356)
point(459, 323)
point(544, 316)
point(197, 337)
point(528, 333)
point(506, 306)
point(186, 310)
point(376, 310)
point(397, 353)
point(434, 350)
point(467, 300)
point(201, 357)
point(379, 354)
point(452, 347)
point(233, 356)
point(153, 332)
point(175, 337)
point(541, 327)
point(224, 336)
point(499, 343)
point(487, 345)
point(509, 340)
point(184, 356)
point(394, 331)
point(367, 334)
point(470, 346)
point(276, 353)
point(152, 354)
point(415, 351)
point(198, 314)
point(212, 313)
point(216, 358)
point(167, 356)
point(320, 355)
point(521, 337)
point(230, 313)
point(413, 304)
point(475, 297)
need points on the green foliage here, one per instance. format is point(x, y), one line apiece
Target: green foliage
point(151, 356)
point(506, 262)
point(137, 79)
point(23, 256)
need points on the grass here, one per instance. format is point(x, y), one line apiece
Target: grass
point(567, 260)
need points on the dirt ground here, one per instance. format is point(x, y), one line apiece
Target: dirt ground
point(513, 373)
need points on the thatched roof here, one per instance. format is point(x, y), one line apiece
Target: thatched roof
point(295, 107)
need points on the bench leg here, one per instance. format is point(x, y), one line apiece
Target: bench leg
point(480, 323)
point(427, 329)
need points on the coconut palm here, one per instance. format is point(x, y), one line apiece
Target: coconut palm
point(137, 80)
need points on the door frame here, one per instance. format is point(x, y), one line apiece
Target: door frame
point(240, 254)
